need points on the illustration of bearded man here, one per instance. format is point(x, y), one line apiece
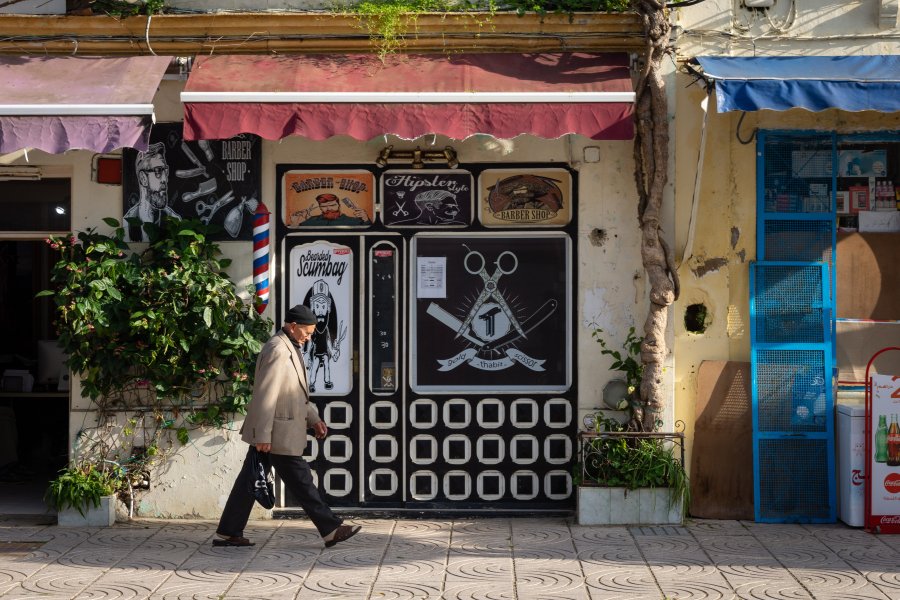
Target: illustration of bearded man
point(153, 183)
point(322, 349)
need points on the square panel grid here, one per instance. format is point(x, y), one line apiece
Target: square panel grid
point(789, 304)
point(798, 174)
point(793, 480)
point(506, 451)
point(791, 391)
point(799, 240)
point(384, 453)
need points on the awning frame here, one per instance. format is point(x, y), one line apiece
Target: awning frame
point(814, 83)
point(40, 110)
point(409, 97)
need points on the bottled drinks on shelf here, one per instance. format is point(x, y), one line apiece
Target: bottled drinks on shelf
point(893, 443)
point(881, 435)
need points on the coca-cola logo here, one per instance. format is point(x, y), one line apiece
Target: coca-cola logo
point(856, 478)
point(890, 520)
point(892, 483)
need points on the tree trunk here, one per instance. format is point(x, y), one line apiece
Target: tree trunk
point(651, 149)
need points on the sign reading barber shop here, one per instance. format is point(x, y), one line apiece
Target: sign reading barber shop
point(215, 181)
point(431, 198)
point(328, 199)
point(533, 197)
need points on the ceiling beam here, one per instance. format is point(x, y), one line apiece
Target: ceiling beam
point(264, 33)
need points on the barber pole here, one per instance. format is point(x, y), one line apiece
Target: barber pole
point(261, 256)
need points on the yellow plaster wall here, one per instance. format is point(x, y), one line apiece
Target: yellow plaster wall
point(717, 273)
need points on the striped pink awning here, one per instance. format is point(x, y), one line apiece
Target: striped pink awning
point(458, 95)
point(60, 103)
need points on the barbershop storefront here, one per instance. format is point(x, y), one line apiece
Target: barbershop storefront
point(446, 270)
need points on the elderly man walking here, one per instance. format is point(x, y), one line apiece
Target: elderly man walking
point(277, 419)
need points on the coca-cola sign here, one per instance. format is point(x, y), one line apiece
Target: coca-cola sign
point(892, 483)
point(890, 520)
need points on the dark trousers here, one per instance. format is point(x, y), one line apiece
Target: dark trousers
point(297, 477)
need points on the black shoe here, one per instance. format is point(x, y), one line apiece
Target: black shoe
point(343, 532)
point(232, 540)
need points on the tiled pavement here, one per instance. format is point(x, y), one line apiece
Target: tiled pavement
point(526, 559)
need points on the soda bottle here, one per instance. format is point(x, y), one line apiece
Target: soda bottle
point(893, 443)
point(881, 435)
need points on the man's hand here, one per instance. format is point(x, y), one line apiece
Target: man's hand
point(263, 447)
point(321, 430)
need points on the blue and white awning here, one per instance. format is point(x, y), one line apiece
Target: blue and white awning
point(815, 83)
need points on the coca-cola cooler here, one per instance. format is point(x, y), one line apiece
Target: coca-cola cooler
point(851, 463)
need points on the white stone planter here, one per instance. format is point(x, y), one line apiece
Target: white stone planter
point(619, 506)
point(94, 516)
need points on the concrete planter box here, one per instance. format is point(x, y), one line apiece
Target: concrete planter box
point(619, 506)
point(99, 516)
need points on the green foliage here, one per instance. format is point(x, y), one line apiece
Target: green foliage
point(167, 320)
point(80, 486)
point(121, 8)
point(390, 21)
point(632, 369)
point(568, 6)
point(631, 461)
point(162, 333)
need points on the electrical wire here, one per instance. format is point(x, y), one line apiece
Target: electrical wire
point(788, 20)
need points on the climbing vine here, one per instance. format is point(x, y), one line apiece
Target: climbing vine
point(651, 153)
point(390, 22)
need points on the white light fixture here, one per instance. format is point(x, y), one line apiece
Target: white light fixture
point(19, 172)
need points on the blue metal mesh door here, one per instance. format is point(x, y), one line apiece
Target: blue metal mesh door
point(792, 328)
point(791, 366)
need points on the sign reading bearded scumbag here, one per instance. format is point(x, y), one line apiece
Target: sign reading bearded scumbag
point(502, 319)
point(321, 277)
point(324, 198)
point(515, 197)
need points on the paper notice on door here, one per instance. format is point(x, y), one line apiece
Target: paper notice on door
point(431, 277)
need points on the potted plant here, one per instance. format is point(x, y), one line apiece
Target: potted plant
point(630, 477)
point(84, 495)
point(624, 474)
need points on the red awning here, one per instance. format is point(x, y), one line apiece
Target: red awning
point(320, 96)
point(60, 103)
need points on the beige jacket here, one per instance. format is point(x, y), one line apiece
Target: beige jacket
point(280, 411)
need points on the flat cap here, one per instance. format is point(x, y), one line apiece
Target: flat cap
point(301, 315)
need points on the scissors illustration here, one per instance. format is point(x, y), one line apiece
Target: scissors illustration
point(400, 210)
point(490, 286)
point(206, 211)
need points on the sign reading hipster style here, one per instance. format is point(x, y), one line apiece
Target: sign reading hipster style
point(215, 181)
point(427, 198)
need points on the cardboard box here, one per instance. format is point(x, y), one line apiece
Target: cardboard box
point(881, 221)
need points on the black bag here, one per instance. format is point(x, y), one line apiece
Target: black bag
point(260, 482)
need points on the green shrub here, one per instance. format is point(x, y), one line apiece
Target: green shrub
point(80, 486)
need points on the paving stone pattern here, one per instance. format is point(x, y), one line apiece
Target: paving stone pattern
point(521, 559)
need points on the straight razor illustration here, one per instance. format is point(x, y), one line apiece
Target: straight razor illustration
point(538, 317)
point(452, 322)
